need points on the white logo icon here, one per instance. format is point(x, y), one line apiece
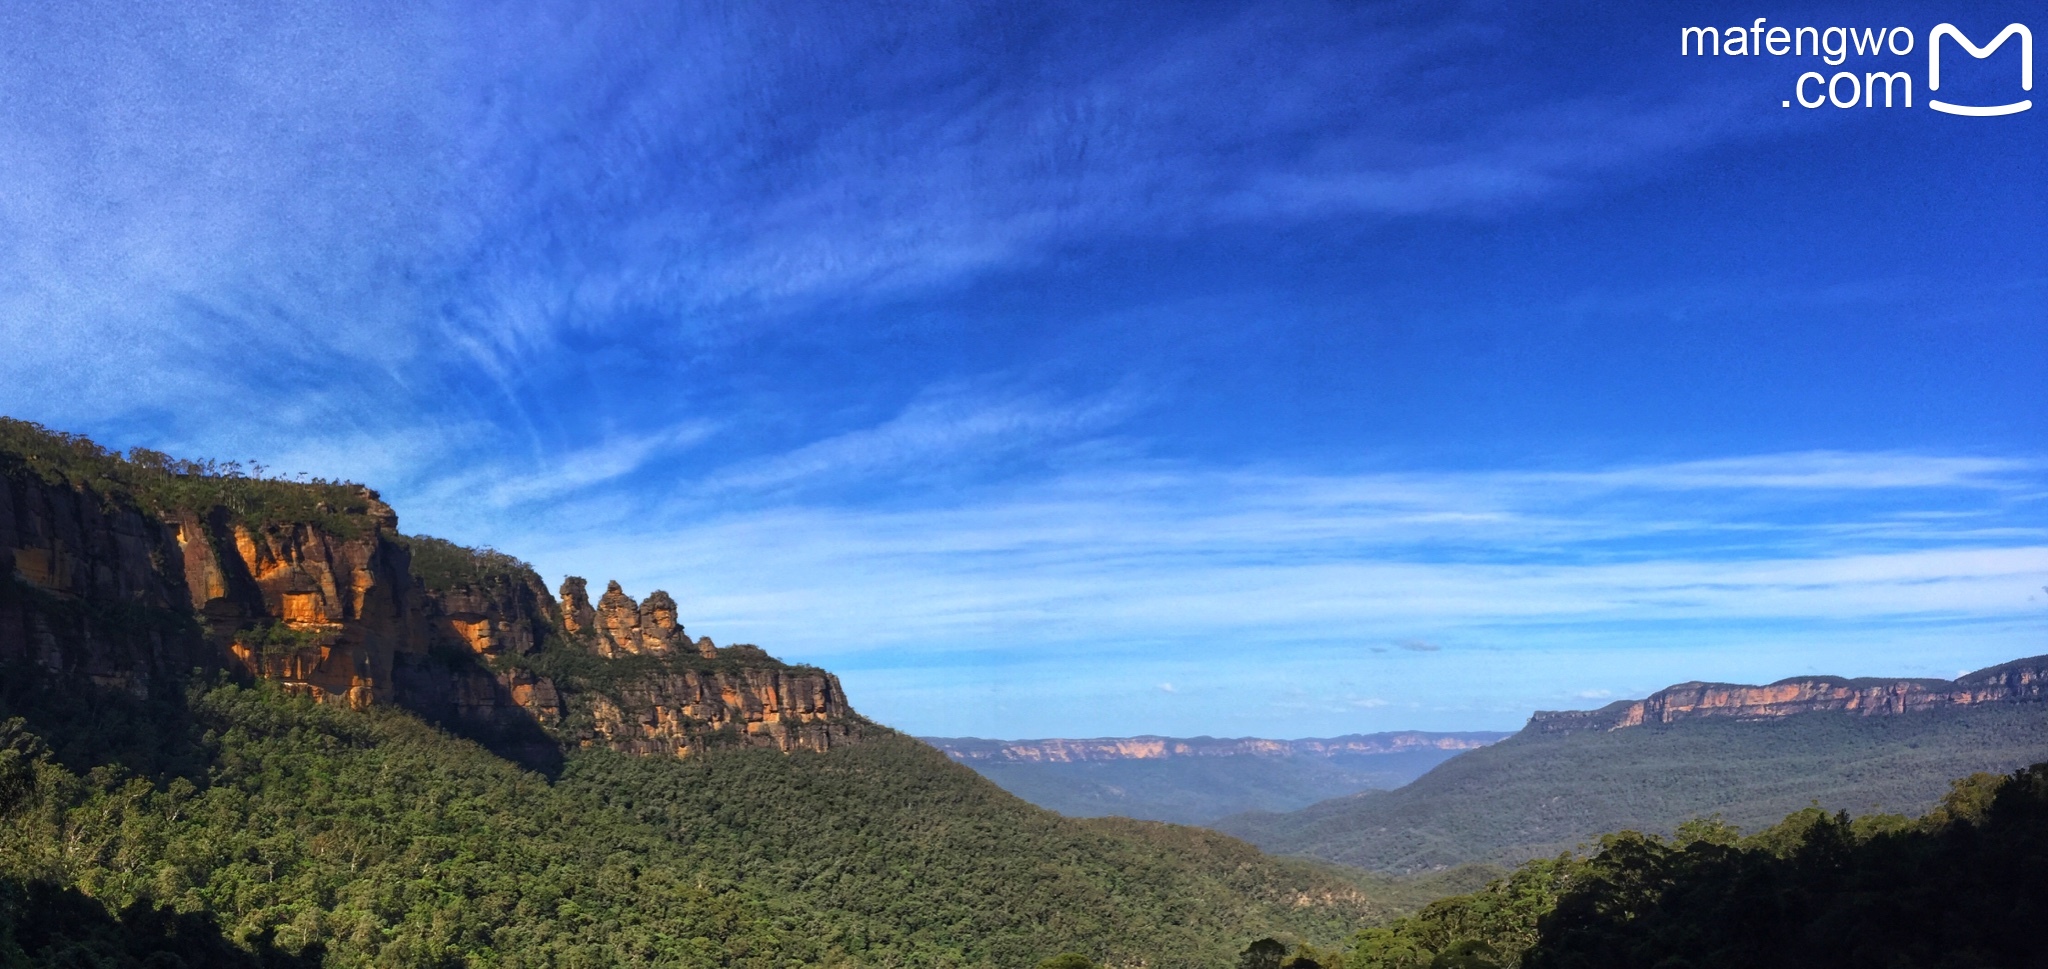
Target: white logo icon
point(1934, 68)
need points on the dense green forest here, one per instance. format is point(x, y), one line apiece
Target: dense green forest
point(1964, 886)
point(370, 838)
point(243, 827)
point(1534, 795)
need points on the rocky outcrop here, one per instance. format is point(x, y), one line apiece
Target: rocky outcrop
point(622, 627)
point(1159, 748)
point(684, 712)
point(102, 586)
point(90, 588)
point(577, 615)
point(2019, 681)
point(502, 616)
point(660, 628)
point(129, 599)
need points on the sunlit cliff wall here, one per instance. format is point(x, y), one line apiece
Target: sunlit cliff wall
point(2019, 681)
point(975, 750)
point(97, 585)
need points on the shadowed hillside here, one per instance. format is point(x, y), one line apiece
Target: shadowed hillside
point(1546, 790)
point(1965, 885)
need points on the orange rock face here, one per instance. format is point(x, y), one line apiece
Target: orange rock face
point(1159, 748)
point(2018, 681)
point(626, 628)
point(686, 712)
point(342, 619)
point(577, 614)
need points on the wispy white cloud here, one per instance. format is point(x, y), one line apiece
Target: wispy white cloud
point(439, 250)
point(1431, 563)
point(370, 200)
point(936, 430)
point(1822, 470)
point(600, 462)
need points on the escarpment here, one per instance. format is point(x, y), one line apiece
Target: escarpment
point(1106, 749)
point(671, 712)
point(2020, 681)
point(669, 695)
point(132, 572)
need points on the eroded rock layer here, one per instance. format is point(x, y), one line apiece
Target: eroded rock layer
point(681, 712)
point(98, 584)
point(2021, 681)
point(1060, 751)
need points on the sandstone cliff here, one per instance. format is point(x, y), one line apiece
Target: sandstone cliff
point(107, 574)
point(618, 626)
point(975, 750)
point(2020, 681)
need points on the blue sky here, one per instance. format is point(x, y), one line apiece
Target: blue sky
point(1081, 369)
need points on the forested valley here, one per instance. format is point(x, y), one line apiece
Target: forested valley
point(247, 827)
point(246, 722)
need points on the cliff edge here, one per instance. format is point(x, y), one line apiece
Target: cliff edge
point(975, 750)
point(132, 571)
point(2020, 681)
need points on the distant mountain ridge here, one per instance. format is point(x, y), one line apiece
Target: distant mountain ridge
point(1192, 780)
point(1750, 754)
point(1148, 747)
point(2018, 681)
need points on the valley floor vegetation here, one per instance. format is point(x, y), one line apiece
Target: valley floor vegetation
point(294, 833)
point(1965, 885)
point(1536, 795)
point(244, 827)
